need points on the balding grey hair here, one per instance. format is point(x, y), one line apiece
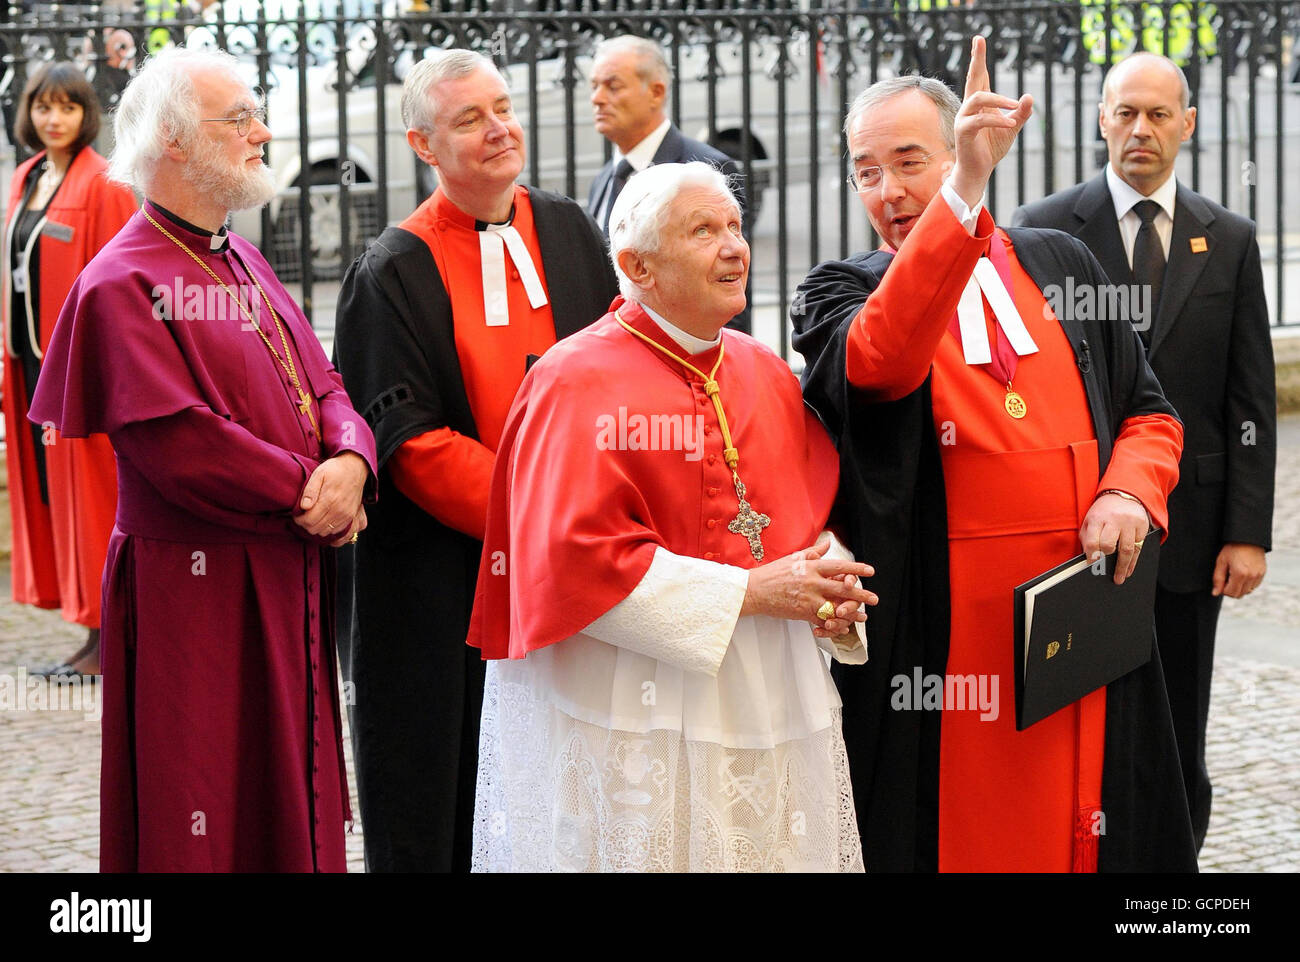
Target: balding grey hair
point(641, 210)
point(881, 91)
point(651, 64)
point(161, 105)
point(419, 109)
point(1185, 90)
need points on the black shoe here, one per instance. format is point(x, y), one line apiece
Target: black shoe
point(60, 672)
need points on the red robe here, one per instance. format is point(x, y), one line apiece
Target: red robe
point(59, 547)
point(445, 472)
point(221, 743)
point(1017, 492)
point(583, 491)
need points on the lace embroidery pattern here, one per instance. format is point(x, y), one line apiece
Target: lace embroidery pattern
point(682, 612)
point(558, 794)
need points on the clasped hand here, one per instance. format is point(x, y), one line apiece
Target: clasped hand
point(796, 586)
point(331, 500)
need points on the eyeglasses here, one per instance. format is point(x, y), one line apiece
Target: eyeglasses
point(243, 120)
point(869, 178)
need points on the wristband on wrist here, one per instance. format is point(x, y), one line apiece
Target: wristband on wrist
point(1123, 494)
point(1127, 497)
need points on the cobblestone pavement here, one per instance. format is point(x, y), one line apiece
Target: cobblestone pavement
point(49, 756)
point(49, 763)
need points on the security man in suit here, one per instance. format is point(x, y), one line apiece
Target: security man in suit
point(1207, 339)
point(629, 94)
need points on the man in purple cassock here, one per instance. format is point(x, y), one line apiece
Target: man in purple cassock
point(241, 465)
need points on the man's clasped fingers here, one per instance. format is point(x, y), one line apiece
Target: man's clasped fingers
point(351, 530)
point(834, 587)
point(804, 588)
point(332, 496)
point(845, 610)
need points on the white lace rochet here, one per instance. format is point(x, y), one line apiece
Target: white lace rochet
point(715, 745)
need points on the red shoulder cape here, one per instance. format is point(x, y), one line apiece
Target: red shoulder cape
point(612, 450)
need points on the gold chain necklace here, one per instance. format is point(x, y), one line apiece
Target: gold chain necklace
point(286, 362)
point(748, 523)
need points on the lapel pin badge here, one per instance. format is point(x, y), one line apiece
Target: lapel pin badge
point(1199, 245)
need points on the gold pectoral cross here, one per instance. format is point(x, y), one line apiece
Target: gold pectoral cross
point(304, 406)
point(749, 523)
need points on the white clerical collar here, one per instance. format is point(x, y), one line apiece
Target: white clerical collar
point(687, 342)
point(643, 154)
point(970, 314)
point(1125, 197)
point(493, 242)
point(984, 278)
point(218, 243)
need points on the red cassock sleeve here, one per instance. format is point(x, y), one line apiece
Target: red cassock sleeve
point(893, 339)
point(1144, 463)
point(448, 475)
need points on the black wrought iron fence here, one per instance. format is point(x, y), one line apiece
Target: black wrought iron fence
point(765, 81)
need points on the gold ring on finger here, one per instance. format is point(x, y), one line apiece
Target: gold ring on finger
point(1138, 544)
point(826, 611)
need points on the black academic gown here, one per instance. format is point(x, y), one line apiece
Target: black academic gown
point(892, 496)
point(406, 589)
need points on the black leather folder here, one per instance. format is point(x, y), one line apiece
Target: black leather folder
point(1076, 630)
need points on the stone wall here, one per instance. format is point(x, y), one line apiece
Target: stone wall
point(1286, 355)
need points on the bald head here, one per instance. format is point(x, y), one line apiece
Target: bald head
point(1145, 119)
point(1153, 65)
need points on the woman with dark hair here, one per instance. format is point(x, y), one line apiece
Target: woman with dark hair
point(62, 492)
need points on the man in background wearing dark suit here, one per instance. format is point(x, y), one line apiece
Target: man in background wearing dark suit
point(1207, 338)
point(629, 93)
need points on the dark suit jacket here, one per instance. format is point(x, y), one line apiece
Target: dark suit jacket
point(1210, 347)
point(676, 149)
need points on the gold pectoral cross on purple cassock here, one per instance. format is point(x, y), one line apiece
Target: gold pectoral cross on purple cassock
point(304, 405)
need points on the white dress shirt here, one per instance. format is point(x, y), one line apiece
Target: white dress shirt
point(640, 157)
point(1125, 198)
point(643, 154)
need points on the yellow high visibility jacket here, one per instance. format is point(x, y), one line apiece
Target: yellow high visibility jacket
point(1125, 27)
point(164, 11)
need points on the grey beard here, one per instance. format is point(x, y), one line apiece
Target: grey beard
point(232, 190)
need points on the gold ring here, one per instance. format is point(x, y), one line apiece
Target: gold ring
point(1138, 544)
point(826, 611)
point(353, 539)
